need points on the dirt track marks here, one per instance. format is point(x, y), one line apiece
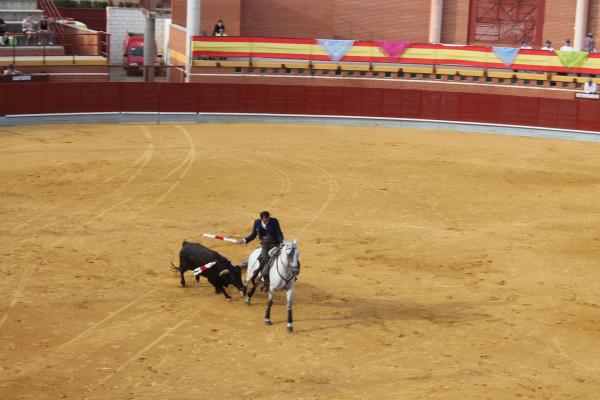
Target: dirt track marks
point(141, 163)
point(142, 351)
point(334, 187)
point(18, 293)
point(97, 324)
point(191, 157)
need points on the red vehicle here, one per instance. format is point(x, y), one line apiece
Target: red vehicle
point(133, 54)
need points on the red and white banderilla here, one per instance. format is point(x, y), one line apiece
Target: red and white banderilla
point(225, 239)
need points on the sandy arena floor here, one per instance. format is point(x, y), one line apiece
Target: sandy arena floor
point(435, 264)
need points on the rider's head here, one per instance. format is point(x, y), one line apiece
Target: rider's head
point(265, 217)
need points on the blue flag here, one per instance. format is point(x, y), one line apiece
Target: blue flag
point(506, 54)
point(336, 49)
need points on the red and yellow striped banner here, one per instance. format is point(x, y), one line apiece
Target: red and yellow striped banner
point(370, 52)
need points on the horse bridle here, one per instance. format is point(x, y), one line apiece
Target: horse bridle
point(291, 255)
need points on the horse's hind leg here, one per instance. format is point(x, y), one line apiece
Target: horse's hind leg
point(290, 322)
point(268, 312)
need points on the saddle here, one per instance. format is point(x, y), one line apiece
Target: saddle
point(273, 253)
point(264, 272)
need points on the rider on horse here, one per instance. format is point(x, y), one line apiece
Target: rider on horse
point(270, 236)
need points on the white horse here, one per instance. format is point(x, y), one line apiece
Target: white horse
point(282, 275)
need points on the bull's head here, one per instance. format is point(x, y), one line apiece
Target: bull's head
point(233, 276)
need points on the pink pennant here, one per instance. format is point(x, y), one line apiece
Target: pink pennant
point(394, 49)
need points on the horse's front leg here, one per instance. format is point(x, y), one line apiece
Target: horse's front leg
point(268, 312)
point(251, 291)
point(290, 322)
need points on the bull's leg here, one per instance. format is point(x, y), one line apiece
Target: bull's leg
point(182, 280)
point(268, 312)
point(224, 291)
point(290, 326)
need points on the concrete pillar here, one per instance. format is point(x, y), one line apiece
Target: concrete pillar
point(435, 21)
point(192, 24)
point(581, 17)
point(149, 48)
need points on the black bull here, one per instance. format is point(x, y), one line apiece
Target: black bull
point(220, 275)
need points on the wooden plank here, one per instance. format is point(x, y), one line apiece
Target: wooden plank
point(500, 74)
point(386, 68)
point(471, 72)
point(562, 78)
point(532, 76)
point(417, 70)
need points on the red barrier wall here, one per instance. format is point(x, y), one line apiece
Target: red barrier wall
point(42, 98)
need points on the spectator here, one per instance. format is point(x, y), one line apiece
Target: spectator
point(589, 44)
point(548, 46)
point(590, 86)
point(221, 32)
point(567, 46)
point(27, 29)
point(3, 36)
point(43, 31)
point(526, 46)
point(11, 71)
point(219, 26)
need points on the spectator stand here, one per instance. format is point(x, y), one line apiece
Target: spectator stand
point(473, 64)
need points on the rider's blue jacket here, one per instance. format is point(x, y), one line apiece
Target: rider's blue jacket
point(273, 231)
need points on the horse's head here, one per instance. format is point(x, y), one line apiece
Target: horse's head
point(290, 250)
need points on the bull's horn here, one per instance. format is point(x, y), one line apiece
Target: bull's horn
point(173, 266)
point(224, 272)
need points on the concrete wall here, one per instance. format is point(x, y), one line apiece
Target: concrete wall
point(18, 4)
point(119, 21)
point(374, 19)
point(230, 11)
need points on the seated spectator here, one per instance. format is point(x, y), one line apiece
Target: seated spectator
point(567, 46)
point(526, 46)
point(588, 43)
point(11, 71)
point(219, 26)
point(43, 30)
point(3, 35)
point(221, 32)
point(28, 29)
point(590, 87)
point(547, 46)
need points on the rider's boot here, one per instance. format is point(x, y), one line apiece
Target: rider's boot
point(265, 273)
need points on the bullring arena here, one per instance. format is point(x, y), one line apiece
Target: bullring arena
point(437, 162)
point(435, 264)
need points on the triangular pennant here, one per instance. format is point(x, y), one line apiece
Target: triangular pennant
point(393, 49)
point(336, 49)
point(506, 54)
point(572, 59)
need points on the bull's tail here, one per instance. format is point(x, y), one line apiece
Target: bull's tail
point(173, 266)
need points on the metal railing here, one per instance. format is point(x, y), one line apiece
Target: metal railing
point(46, 45)
point(54, 16)
point(159, 6)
